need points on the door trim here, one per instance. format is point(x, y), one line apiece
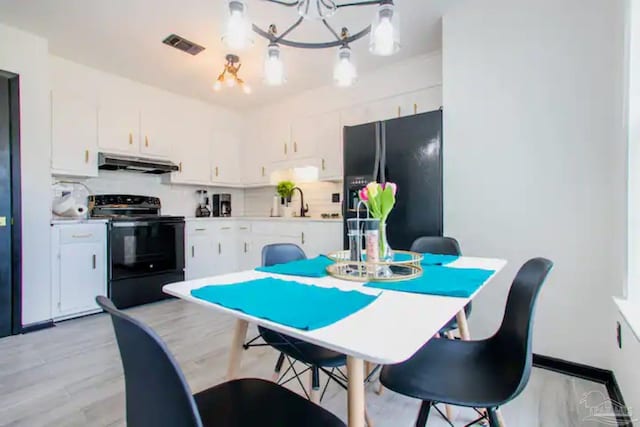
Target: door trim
point(16, 201)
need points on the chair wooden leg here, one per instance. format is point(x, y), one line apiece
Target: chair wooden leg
point(463, 326)
point(380, 389)
point(235, 354)
point(423, 415)
point(278, 368)
point(500, 418)
point(367, 419)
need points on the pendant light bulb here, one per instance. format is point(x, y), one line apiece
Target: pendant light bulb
point(344, 72)
point(385, 34)
point(238, 32)
point(217, 85)
point(246, 88)
point(273, 66)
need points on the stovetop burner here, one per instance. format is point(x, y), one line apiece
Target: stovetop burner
point(126, 207)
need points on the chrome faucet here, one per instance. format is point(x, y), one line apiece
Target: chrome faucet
point(303, 209)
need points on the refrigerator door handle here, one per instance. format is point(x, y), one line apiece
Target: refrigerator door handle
point(376, 163)
point(383, 152)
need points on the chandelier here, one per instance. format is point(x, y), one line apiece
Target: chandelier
point(384, 35)
point(229, 75)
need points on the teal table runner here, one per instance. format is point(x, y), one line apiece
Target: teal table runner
point(428, 259)
point(313, 267)
point(294, 304)
point(438, 280)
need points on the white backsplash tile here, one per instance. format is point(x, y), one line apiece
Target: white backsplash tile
point(317, 195)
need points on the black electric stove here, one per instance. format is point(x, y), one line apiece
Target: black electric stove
point(146, 249)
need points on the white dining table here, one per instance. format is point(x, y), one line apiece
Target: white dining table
point(387, 331)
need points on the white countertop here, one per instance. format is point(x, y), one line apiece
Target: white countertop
point(57, 221)
point(266, 218)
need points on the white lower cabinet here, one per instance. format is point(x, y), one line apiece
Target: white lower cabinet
point(224, 246)
point(79, 268)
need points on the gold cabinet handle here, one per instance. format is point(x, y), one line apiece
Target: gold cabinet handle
point(295, 147)
point(399, 111)
point(415, 108)
point(285, 148)
point(219, 248)
point(180, 167)
point(263, 171)
point(323, 167)
point(146, 141)
point(130, 138)
point(216, 171)
point(86, 156)
point(302, 238)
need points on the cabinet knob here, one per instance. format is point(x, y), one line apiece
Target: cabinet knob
point(86, 156)
point(130, 138)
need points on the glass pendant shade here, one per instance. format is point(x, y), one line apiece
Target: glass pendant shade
point(344, 72)
point(385, 32)
point(315, 10)
point(273, 66)
point(238, 33)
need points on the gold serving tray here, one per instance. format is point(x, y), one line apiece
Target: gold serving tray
point(380, 271)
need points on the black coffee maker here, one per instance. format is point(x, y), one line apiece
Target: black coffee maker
point(202, 211)
point(221, 204)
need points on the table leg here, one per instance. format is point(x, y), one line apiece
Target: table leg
point(355, 372)
point(235, 354)
point(314, 394)
point(463, 326)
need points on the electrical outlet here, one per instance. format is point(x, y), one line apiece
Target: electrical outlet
point(335, 197)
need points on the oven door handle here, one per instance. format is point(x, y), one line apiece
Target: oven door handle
point(142, 223)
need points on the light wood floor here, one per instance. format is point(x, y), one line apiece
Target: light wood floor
point(71, 375)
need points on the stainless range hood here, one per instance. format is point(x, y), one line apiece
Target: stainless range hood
point(114, 162)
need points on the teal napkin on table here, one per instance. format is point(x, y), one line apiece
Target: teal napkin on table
point(438, 280)
point(313, 267)
point(428, 259)
point(294, 304)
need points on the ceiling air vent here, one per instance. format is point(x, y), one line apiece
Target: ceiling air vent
point(183, 44)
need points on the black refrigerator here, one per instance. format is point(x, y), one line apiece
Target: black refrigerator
point(407, 151)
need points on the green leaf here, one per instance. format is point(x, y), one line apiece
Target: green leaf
point(387, 201)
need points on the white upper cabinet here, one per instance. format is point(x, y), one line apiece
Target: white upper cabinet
point(306, 133)
point(420, 101)
point(277, 139)
point(258, 154)
point(225, 158)
point(192, 152)
point(74, 135)
point(158, 131)
point(118, 127)
point(328, 142)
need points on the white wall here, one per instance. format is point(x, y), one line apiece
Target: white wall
point(27, 55)
point(535, 159)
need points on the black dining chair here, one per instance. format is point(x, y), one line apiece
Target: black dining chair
point(477, 374)
point(442, 246)
point(157, 394)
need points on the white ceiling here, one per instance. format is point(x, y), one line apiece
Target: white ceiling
point(124, 37)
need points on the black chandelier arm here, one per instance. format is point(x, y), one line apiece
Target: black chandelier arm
point(305, 45)
point(288, 30)
point(362, 3)
point(326, 24)
point(283, 3)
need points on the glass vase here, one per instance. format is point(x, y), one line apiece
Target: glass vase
point(386, 253)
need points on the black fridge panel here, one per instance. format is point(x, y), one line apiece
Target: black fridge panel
point(413, 160)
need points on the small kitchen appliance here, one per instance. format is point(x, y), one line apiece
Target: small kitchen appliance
point(202, 211)
point(221, 205)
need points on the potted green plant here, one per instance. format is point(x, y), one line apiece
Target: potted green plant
point(284, 190)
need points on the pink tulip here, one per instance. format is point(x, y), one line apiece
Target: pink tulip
point(363, 195)
point(394, 187)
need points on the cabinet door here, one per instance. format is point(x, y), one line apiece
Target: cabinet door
point(74, 135)
point(199, 254)
point(322, 238)
point(118, 127)
point(258, 156)
point(245, 247)
point(225, 249)
point(225, 157)
point(306, 135)
point(328, 140)
point(82, 276)
point(421, 101)
point(192, 154)
point(158, 131)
